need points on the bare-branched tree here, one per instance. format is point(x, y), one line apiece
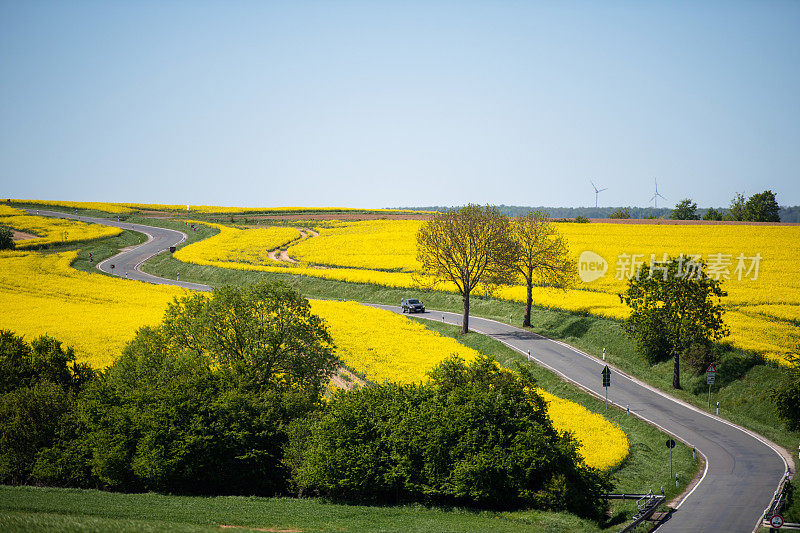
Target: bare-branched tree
point(468, 246)
point(542, 256)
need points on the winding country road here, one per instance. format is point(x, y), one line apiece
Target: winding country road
point(742, 468)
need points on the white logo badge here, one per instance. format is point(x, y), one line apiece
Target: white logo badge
point(591, 266)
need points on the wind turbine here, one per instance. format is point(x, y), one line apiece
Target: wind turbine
point(596, 192)
point(657, 195)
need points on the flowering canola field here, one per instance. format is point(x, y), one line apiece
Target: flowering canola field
point(95, 314)
point(121, 208)
point(384, 346)
point(233, 246)
point(52, 230)
point(757, 264)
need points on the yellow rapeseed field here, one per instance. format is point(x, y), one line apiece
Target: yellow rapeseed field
point(99, 206)
point(96, 314)
point(756, 263)
point(370, 245)
point(387, 347)
point(52, 230)
point(232, 246)
point(111, 207)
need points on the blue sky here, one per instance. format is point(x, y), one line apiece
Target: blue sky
point(378, 104)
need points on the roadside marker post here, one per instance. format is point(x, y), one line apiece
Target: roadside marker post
point(606, 381)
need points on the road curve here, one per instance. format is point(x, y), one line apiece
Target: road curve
point(742, 471)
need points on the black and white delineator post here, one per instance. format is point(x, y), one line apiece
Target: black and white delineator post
point(606, 381)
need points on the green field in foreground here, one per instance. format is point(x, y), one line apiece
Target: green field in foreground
point(49, 509)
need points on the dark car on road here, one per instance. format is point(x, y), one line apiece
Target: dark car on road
point(412, 305)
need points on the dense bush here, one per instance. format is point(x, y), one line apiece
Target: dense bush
point(699, 355)
point(652, 341)
point(787, 395)
point(475, 435)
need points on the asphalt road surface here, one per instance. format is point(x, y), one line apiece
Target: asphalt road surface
point(742, 468)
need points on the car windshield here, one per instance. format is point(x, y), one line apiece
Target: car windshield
point(413, 301)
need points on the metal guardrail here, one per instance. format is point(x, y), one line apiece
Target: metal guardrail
point(645, 503)
point(778, 501)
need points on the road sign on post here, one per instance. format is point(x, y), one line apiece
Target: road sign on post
point(606, 381)
point(711, 374)
point(670, 445)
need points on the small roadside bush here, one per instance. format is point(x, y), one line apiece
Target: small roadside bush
point(699, 355)
point(6, 239)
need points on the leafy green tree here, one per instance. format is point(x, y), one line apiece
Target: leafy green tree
point(762, 207)
point(475, 435)
point(201, 403)
point(738, 210)
point(622, 212)
point(262, 336)
point(6, 239)
point(676, 296)
point(685, 210)
point(44, 359)
point(470, 246)
point(29, 420)
point(542, 256)
point(39, 383)
point(712, 214)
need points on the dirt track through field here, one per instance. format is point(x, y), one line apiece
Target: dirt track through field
point(281, 255)
point(22, 236)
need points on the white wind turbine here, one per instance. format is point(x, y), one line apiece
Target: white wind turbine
point(596, 192)
point(657, 195)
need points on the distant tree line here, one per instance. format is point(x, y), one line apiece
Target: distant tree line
point(761, 207)
point(785, 213)
point(226, 396)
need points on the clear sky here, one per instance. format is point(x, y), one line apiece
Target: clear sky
point(379, 103)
